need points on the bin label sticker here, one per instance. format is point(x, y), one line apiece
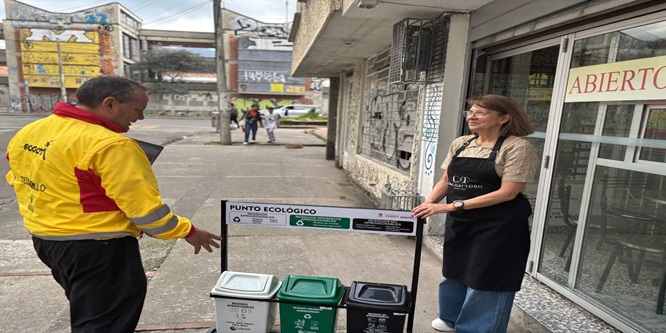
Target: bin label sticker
point(326, 222)
point(311, 322)
point(384, 225)
point(378, 221)
point(258, 218)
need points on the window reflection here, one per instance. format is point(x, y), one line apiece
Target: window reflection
point(610, 177)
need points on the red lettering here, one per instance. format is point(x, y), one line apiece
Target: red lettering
point(644, 71)
point(575, 85)
point(611, 80)
point(601, 82)
point(589, 83)
point(627, 81)
point(655, 79)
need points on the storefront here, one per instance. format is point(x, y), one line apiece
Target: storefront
point(596, 94)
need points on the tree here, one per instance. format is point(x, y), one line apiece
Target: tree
point(162, 69)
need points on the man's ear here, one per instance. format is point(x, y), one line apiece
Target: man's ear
point(107, 103)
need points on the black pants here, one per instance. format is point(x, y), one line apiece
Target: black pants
point(104, 281)
point(234, 119)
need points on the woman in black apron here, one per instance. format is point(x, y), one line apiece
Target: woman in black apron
point(486, 239)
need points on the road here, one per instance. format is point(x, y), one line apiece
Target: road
point(155, 130)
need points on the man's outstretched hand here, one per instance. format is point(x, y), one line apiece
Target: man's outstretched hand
point(201, 237)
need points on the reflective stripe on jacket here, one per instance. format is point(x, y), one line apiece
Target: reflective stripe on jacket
point(76, 177)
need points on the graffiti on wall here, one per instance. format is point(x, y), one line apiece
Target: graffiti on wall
point(246, 103)
point(80, 56)
point(388, 129)
point(429, 127)
point(43, 102)
point(262, 43)
point(244, 24)
point(262, 76)
point(99, 15)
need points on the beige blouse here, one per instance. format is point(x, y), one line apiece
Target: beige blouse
point(516, 160)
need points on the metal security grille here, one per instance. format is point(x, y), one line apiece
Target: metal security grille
point(410, 50)
point(399, 199)
point(388, 119)
point(440, 39)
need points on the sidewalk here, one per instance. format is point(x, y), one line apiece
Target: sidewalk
point(194, 175)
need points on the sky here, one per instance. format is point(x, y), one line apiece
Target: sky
point(183, 15)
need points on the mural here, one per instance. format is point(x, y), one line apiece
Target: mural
point(80, 56)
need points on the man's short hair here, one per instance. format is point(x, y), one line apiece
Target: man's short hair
point(94, 91)
point(270, 108)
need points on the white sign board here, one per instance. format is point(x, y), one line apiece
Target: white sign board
point(377, 221)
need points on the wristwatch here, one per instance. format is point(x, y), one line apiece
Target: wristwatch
point(458, 204)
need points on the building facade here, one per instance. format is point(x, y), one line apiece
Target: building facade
point(590, 74)
point(49, 55)
point(259, 57)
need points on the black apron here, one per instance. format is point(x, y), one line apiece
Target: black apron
point(486, 248)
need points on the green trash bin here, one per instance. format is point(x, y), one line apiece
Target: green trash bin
point(324, 293)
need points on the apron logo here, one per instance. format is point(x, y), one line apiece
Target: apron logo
point(462, 183)
point(460, 179)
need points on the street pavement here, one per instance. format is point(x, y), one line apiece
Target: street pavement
point(194, 175)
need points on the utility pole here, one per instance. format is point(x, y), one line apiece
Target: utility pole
point(63, 89)
point(222, 105)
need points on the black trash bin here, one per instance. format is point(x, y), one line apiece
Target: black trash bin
point(376, 307)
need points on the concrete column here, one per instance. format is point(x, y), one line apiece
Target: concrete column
point(453, 101)
point(334, 93)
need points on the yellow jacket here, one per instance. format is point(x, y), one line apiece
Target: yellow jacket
point(76, 177)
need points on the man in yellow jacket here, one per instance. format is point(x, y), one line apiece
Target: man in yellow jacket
point(86, 192)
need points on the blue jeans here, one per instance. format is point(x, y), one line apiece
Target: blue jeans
point(250, 125)
point(474, 311)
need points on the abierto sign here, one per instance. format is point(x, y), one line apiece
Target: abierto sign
point(643, 79)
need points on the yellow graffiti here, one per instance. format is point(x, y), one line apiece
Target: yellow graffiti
point(64, 47)
point(79, 55)
point(67, 58)
point(73, 70)
point(53, 81)
point(246, 104)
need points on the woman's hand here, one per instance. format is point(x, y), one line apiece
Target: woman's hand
point(428, 209)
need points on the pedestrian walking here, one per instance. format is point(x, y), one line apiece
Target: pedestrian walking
point(233, 115)
point(86, 192)
point(271, 123)
point(486, 239)
point(252, 119)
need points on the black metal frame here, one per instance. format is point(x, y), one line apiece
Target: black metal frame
point(224, 264)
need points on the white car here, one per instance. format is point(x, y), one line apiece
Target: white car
point(292, 110)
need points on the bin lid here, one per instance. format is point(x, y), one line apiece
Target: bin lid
point(378, 296)
point(247, 285)
point(314, 289)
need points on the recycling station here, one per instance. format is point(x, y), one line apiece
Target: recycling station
point(248, 302)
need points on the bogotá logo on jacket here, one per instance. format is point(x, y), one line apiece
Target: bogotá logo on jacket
point(38, 150)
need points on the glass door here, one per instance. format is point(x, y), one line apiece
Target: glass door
point(604, 233)
point(527, 75)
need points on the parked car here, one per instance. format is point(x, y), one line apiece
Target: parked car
point(292, 110)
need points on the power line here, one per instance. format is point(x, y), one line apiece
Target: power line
point(144, 5)
point(69, 8)
point(191, 9)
